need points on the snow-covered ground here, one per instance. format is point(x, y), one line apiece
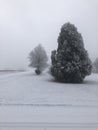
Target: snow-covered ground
point(27, 88)
point(48, 118)
point(31, 102)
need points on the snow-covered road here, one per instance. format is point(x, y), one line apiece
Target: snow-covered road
point(48, 118)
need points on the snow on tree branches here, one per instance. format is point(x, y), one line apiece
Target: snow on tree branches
point(95, 66)
point(70, 63)
point(38, 59)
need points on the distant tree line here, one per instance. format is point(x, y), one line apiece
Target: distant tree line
point(95, 66)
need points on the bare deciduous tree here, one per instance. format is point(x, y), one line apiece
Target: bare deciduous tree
point(38, 59)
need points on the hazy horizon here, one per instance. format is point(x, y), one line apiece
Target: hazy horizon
point(26, 23)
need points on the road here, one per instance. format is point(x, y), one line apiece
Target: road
point(48, 118)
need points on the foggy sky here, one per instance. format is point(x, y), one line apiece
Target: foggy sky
point(26, 23)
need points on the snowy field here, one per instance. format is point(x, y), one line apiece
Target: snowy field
point(31, 102)
point(27, 88)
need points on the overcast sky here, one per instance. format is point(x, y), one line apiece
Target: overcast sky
point(26, 23)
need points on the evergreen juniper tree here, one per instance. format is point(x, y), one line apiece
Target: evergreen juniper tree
point(70, 62)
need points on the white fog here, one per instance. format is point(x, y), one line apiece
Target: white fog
point(26, 23)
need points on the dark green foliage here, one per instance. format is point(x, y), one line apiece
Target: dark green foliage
point(70, 63)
